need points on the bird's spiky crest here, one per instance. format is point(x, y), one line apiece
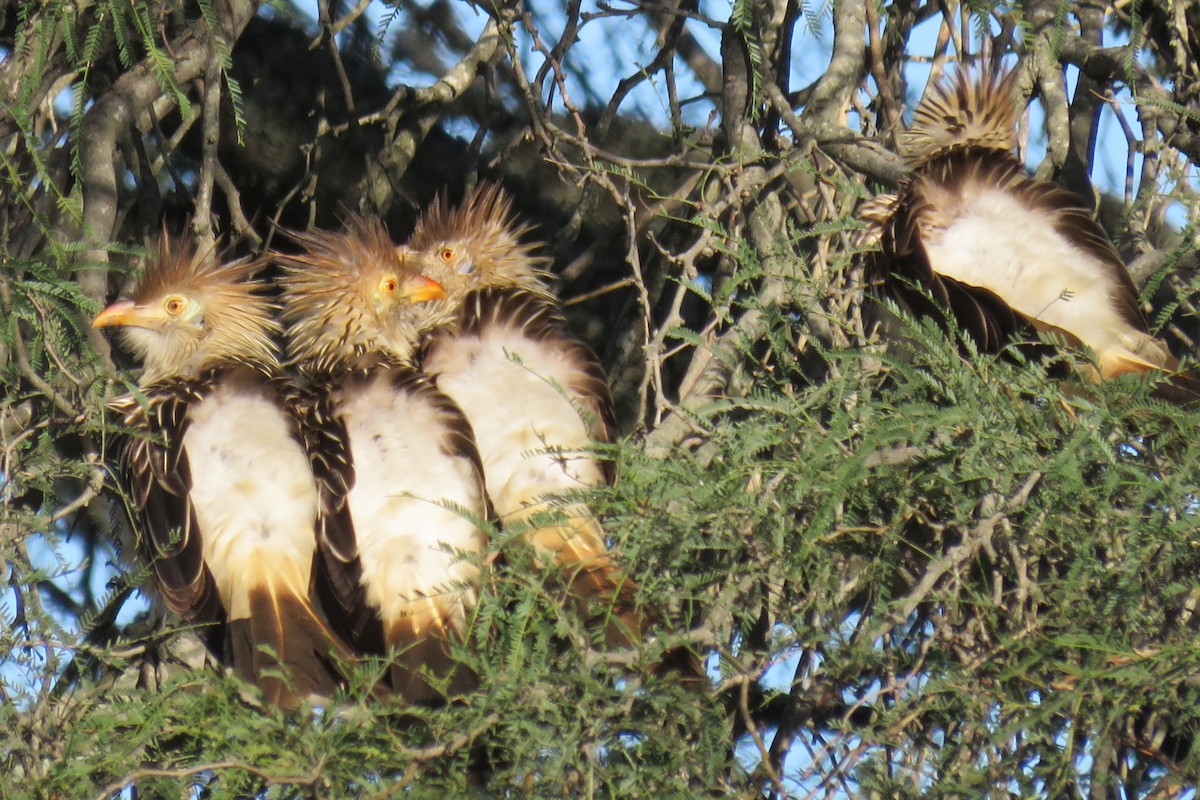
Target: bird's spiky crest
point(486, 227)
point(236, 321)
point(327, 301)
point(973, 108)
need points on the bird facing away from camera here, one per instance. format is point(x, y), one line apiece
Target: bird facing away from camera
point(536, 396)
point(227, 504)
point(972, 235)
point(403, 505)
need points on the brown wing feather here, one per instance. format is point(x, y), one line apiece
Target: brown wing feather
point(328, 447)
point(157, 474)
point(337, 578)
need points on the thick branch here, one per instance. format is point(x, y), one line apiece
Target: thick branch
point(111, 116)
point(832, 92)
point(413, 124)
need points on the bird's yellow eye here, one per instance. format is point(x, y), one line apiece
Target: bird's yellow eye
point(390, 285)
point(174, 305)
point(447, 254)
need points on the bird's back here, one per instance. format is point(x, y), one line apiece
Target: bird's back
point(533, 393)
point(415, 503)
point(402, 533)
point(252, 486)
point(539, 403)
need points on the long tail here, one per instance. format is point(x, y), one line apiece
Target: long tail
point(1150, 356)
point(972, 109)
point(1180, 388)
point(424, 669)
point(600, 589)
point(591, 577)
point(283, 636)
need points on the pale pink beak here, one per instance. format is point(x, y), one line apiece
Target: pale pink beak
point(122, 312)
point(420, 289)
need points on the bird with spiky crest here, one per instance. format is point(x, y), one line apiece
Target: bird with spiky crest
point(225, 496)
point(478, 244)
point(537, 397)
point(971, 235)
point(976, 111)
point(403, 506)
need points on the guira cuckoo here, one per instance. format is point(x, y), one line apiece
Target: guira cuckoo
point(218, 470)
point(402, 492)
point(1004, 254)
point(537, 397)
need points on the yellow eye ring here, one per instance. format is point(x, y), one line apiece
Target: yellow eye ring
point(390, 285)
point(174, 306)
point(447, 254)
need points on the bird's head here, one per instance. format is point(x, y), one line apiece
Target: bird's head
point(971, 109)
point(190, 312)
point(474, 246)
point(351, 294)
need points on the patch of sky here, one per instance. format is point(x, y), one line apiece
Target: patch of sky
point(61, 561)
point(780, 673)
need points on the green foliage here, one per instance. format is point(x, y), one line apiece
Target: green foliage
point(818, 507)
point(233, 89)
point(743, 20)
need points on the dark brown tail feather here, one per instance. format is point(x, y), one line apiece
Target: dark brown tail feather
point(424, 669)
point(604, 590)
point(597, 588)
point(299, 643)
point(1180, 388)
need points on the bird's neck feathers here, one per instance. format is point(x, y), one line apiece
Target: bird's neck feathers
point(186, 356)
point(974, 109)
point(349, 335)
